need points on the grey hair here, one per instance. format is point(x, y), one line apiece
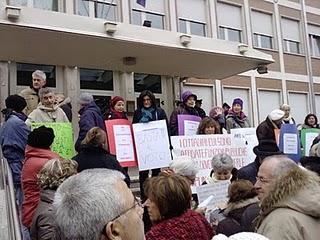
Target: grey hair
point(85, 98)
point(86, 202)
point(44, 91)
point(222, 162)
point(281, 164)
point(39, 74)
point(184, 166)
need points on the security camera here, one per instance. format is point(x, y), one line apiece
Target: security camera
point(262, 69)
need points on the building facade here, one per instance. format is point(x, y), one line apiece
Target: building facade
point(101, 47)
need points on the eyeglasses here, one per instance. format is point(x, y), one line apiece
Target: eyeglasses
point(263, 180)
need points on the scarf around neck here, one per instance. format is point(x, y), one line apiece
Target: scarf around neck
point(146, 115)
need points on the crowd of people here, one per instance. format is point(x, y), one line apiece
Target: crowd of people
point(89, 197)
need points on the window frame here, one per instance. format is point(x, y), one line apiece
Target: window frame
point(98, 91)
point(92, 6)
point(30, 3)
point(188, 27)
point(226, 33)
point(312, 40)
point(259, 41)
point(287, 48)
point(144, 17)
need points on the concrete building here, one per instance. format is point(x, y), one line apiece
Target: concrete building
point(101, 47)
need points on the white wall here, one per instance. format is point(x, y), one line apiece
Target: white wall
point(267, 101)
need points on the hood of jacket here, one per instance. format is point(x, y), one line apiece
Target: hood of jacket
point(32, 152)
point(47, 195)
point(47, 109)
point(240, 204)
point(298, 190)
point(65, 101)
point(91, 107)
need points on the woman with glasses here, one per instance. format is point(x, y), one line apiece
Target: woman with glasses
point(168, 204)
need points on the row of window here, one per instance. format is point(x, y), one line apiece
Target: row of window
point(192, 20)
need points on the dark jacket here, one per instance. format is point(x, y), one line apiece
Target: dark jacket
point(222, 122)
point(66, 106)
point(234, 221)
point(201, 112)
point(13, 139)
point(90, 116)
point(110, 115)
point(250, 171)
point(42, 227)
point(181, 110)
point(158, 114)
point(96, 157)
point(265, 130)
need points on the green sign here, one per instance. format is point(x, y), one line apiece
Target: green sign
point(307, 137)
point(63, 140)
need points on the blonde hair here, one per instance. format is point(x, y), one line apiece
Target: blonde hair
point(96, 137)
point(55, 171)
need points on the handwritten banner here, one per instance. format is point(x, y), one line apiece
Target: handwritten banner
point(188, 124)
point(120, 140)
point(307, 137)
point(152, 144)
point(289, 142)
point(63, 140)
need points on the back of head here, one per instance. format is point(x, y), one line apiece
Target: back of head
point(15, 102)
point(241, 236)
point(276, 115)
point(55, 172)
point(85, 99)
point(241, 190)
point(142, 95)
point(222, 162)
point(41, 137)
point(171, 194)
point(284, 107)
point(184, 166)
point(96, 137)
point(85, 202)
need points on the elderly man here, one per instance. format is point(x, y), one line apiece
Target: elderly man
point(97, 204)
point(30, 94)
point(47, 111)
point(290, 206)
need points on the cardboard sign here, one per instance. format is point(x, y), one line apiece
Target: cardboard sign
point(289, 141)
point(188, 124)
point(63, 140)
point(218, 190)
point(152, 144)
point(120, 139)
point(307, 137)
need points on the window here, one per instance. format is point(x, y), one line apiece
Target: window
point(102, 102)
point(104, 9)
point(83, 8)
point(51, 5)
point(229, 22)
point(25, 70)
point(314, 38)
point(96, 79)
point(291, 35)
point(138, 17)
point(18, 2)
point(147, 82)
point(262, 33)
point(191, 27)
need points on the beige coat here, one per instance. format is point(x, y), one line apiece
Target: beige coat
point(45, 114)
point(32, 99)
point(292, 209)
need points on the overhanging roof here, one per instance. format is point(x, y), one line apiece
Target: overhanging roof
point(61, 39)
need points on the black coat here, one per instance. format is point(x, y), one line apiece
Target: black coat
point(96, 157)
point(265, 130)
point(250, 171)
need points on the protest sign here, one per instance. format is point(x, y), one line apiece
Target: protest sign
point(289, 142)
point(63, 140)
point(218, 190)
point(188, 124)
point(307, 137)
point(152, 144)
point(120, 139)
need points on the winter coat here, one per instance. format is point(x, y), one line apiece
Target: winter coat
point(42, 227)
point(222, 122)
point(13, 139)
point(90, 116)
point(189, 226)
point(201, 112)
point(36, 158)
point(45, 114)
point(250, 171)
point(233, 121)
point(110, 115)
point(32, 99)
point(181, 110)
point(291, 210)
point(158, 114)
point(234, 213)
point(97, 157)
point(288, 120)
point(265, 130)
point(66, 106)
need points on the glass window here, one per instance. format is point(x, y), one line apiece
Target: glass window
point(18, 2)
point(197, 29)
point(234, 35)
point(315, 45)
point(83, 7)
point(96, 79)
point(105, 11)
point(136, 17)
point(51, 5)
point(182, 26)
point(147, 82)
point(291, 46)
point(222, 33)
point(25, 70)
point(102, 102)
point(156, 20)
point(262, 41)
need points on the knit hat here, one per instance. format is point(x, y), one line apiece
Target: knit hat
point(267, 148)
point(276, 115)
point(114, 101)
point(238, 101)
point(16, 103)
point(41, 137)
point(225, 105)
point(241, 236)
point(187, 94)
point(85, 98)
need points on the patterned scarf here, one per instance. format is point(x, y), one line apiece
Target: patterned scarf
point(146, 115)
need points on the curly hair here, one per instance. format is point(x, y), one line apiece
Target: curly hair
point(208, 122)
point(55, 171)
point(241, 190)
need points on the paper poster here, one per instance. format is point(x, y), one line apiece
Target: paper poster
point(152, 144)
point(289, 141)
point(63, 141)
point(120, 141)
point(218, 190)
point(188, 124)
point(307, 137)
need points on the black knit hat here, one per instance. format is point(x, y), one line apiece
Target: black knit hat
point(16, 103)
point(41, 137)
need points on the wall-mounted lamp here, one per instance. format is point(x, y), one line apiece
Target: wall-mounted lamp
point(243, 48)
point(262, 69)
point(110, 27)
point(129, 61)
point(185, 40)
point(13, 13)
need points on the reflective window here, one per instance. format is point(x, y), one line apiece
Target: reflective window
point(136, 17)
point(96, 79)
point(262, 41)
point(230, 34)
point(51, 5)
point(291, 46)
point(18, 2)
point(105, 11)
point(83, 7)
point(197, 29)
point(25, 70)
point(102, 102)
point(147, 82)
point(156, 20)
point(315, 45)
point(182, 26)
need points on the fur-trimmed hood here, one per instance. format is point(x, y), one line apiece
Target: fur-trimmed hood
point(298, 190)
point(240, 204)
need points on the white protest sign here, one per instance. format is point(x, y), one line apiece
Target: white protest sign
point(190, 127)
point(291, 143)
point(123, 143)
point(152, 144)
point(218, 190)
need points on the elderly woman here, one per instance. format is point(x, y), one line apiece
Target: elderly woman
point(184, 166)
point(208, 126)
point(168, 206)
point(53, 173)
point(222, 169)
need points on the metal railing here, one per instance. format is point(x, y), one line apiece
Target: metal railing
point(9, 211)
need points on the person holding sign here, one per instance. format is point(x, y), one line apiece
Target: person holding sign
point(208, 126)
point(236, 117)
point(185, 108)
point(117, 109)
point(311, 121)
